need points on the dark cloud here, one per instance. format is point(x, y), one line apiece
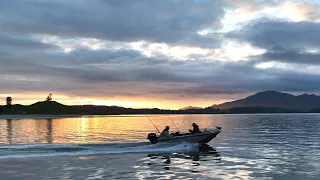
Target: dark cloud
point(139, 75)
point(170, 21)
point(20, 47)
point(291, 56)
point(10, 41)
point(265, 33)
point(284, 41)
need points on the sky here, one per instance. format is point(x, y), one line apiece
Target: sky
point(157, 54)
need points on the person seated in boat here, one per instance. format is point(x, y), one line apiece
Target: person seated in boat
point(175, 134)
point(195, 129)
point(165, 133)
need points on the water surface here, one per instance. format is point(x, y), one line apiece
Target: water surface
point(269, 146)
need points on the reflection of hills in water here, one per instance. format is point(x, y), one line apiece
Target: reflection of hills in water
point(204, 153)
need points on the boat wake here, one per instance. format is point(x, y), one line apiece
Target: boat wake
point(52, 150)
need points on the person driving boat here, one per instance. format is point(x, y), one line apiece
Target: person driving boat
point(195, 129)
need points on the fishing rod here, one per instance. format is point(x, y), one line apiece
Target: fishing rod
point(152, 123)
point(173, 123)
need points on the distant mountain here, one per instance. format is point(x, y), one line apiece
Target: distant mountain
point(304, 102)
point(190, 107)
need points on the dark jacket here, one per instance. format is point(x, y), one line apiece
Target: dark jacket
point(195, 129)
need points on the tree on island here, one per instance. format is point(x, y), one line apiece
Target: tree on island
point(49, 98)
point(9, 101)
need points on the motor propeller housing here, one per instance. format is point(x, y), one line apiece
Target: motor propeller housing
point(153, 138)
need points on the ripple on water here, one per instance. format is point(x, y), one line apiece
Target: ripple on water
point(249, 147)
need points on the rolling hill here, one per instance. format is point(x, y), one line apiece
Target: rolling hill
point(304, 102)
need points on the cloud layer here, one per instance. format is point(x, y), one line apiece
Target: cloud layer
point(130, 49)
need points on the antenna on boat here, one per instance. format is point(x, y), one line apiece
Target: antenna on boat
point(174, 124)
point(152, 123)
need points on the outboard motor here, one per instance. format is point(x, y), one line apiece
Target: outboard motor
point(153, 138)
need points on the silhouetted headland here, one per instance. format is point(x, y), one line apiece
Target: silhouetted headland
point(55, 108)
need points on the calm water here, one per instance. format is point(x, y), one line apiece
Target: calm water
point(115, 147)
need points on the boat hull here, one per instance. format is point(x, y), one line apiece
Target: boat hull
point(201, 138)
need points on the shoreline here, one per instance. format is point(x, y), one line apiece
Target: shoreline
point(55, 116)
